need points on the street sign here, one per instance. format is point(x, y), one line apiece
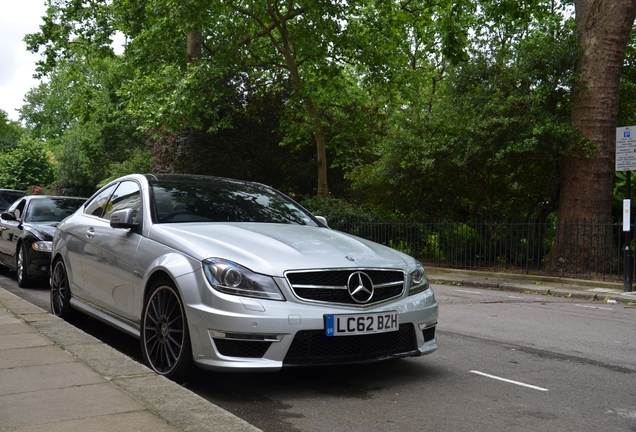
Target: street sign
point(626, 148)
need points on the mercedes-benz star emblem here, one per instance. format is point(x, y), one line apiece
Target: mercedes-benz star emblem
point(360, 287)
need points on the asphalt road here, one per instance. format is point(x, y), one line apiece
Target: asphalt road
point(507, 362)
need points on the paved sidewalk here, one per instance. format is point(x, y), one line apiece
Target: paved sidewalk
point(610, 292)
point(55, 377)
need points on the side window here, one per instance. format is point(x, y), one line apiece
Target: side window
point(97, 206)
point(17, 208)
point(126, 196)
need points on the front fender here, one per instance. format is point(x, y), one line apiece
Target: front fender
point(156, 261)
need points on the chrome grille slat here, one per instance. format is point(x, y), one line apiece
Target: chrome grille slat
point(330, 285)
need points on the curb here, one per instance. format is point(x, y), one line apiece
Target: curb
point(542, 285)
point(165, 399)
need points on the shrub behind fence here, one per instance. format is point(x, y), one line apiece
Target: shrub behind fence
point(573, 249)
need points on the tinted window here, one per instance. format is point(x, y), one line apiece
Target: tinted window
point(97, 206)
point(126, 196)
point(209, 199)
point(8, 197)
point(53, 209)
point(17, 208)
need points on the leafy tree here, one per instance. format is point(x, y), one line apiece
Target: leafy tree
point(10, 132)
point(482, 137)
point(28, 164)
point(604, 28)
point(184, 57)
point(78, 112)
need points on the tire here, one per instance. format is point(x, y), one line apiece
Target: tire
point(21, 265)
point(60, 291)
point(165, 339)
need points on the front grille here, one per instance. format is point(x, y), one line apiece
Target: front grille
point(312, 347)
point(237, 348)
point(330, 286)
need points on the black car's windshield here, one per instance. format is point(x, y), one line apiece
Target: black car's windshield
point(52, 209)
point(210, 199)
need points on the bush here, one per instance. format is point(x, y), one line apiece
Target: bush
point(29, 163)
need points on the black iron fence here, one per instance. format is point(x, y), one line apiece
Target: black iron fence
point(580, 249)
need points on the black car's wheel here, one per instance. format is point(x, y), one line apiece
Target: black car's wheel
point(21, 267)
point(60, 291)
point(165, 340)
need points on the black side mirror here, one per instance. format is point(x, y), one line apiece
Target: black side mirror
point(8, 216)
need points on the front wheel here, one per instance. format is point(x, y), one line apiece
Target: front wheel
point(165, 340)
point(21, 266)
point(60, 291)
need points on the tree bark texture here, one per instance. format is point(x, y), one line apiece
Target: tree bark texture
point(604, 27)
point(194, 48)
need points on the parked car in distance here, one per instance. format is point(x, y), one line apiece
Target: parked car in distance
point(8, 197)
point(233, 275)
point(26, 233)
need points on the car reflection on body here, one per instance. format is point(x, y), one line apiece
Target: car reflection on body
point(227, 274)
point(26, 233)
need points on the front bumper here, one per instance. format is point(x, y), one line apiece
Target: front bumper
point(264, 335)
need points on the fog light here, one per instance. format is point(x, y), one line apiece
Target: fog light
point(253, 337)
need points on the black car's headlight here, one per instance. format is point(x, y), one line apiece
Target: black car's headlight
point(43, 246)
point(419, 280)
point(230, 278)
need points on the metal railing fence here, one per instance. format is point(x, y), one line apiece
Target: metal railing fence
point(581, 249)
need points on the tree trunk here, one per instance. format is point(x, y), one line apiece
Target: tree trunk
point(604, 27)
point(194, 48)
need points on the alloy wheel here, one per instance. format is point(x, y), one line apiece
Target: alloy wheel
point(165, 339)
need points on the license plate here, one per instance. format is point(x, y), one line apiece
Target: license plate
point(359, 324)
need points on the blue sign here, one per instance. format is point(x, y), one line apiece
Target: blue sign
point(626, 134)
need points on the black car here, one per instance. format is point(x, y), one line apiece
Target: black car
point(26, 231)
point(8, 197)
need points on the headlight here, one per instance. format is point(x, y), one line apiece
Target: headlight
point(43, 246)
point(231, 278)
point(419, 280)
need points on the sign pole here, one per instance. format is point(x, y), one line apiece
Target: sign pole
point(628, 256)
point(626, 161)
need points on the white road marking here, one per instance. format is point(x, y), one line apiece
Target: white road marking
point(470, 292)
point(509, 381)
point(594, 307)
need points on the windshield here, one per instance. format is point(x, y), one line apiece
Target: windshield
point(52, 209)
point(211, 199)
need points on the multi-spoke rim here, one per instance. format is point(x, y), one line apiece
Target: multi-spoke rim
point(163, 330)
point(20, 265)
point(59, 288)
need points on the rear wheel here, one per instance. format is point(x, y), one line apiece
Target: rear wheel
point(60, 291)
point(165, 340)
point(21, 266)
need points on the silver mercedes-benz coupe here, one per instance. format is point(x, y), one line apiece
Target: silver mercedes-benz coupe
point(227, 274)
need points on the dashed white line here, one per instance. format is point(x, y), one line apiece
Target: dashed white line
point(509, 381)
point(470, 292)
point(594, 307)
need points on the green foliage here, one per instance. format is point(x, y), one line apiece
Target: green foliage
point(335, 210)
point(79, 113)
point(28, 164)
point(442, 108)
point(487, 138)
point(10, 132)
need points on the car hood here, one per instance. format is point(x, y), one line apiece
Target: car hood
point(44, 231)
point(274, 248)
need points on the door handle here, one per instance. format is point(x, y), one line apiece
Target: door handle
point(90, 233)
